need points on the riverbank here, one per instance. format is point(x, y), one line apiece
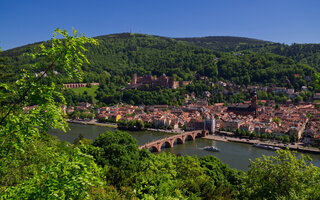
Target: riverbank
point(93, 122)
point(296, 147)
point(110, 125)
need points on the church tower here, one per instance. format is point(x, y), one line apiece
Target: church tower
point(254, 102)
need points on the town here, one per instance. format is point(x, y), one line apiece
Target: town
point(255, 119)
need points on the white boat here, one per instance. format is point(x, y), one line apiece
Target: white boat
point(211, 148)
point(266, 147)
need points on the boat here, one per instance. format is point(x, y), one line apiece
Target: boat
point(211, 148)
point(258, 145)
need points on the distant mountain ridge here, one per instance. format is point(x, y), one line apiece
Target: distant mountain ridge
point(225, 43)
point(219, 43)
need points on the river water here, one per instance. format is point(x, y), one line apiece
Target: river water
point(236, 155)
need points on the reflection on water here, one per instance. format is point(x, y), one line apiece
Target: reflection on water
point(236, 155)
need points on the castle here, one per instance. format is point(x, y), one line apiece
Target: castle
point(163, 81)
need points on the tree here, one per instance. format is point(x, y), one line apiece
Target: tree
point(16, 123)
point(31, 107)
point(316, 81)
point(139, 125)
point(264, 136)
point(276, 120)
point(283, 177)
point(293, 138)
point(253, 134)
point(286, 139)
point(281, 138)
point(237, 132)
point(298, 99)
point(119, 149)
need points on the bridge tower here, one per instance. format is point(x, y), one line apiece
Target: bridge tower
point(210, 124)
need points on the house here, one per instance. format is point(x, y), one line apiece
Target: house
point(161, 122)
point(280, 90)
point(84, 104)
point(195, 124)
point(231, 124)
point(316, 96)
point(115, 117)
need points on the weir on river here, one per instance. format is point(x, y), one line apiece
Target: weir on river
point(168, 142)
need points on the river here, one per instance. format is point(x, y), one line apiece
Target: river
point(236, 155)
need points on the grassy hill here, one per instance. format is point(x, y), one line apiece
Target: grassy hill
point(90, 91)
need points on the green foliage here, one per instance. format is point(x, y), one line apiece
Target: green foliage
point(133, 125)
point(226, 43)
point(276, 120)
point(283, 177)
point(86, 91)
point(316, 80)
point(121, 55)
point(227, 181)
point(118, 149)
point(70, 176)
point(43, 171)
point(17, 124)
point(36, 166)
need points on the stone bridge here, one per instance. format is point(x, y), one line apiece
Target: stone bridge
point(168, 142)
point(78, 85)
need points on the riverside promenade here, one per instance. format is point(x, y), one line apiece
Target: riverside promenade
point(296, 147)
point(92, 122)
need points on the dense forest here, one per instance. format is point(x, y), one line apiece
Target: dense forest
point(303, 53)
point(241, 61)
point(226, 43)
point(124, 54)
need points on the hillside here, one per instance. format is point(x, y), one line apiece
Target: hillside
point(304, 53)
point(120, 55)
point(226, 43)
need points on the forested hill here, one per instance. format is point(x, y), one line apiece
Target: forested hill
point(226, 43)
point(304, 53)
point(145, 54)
point(119, 55)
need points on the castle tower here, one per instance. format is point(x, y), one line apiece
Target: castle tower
point(134, 78)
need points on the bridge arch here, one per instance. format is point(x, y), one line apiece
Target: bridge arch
point(198, 135)
point(178, 140)
point(169, 142)
point(153, 149)
point(189, 137)
point(165, 144)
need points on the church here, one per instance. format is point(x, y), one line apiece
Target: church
point(245, 109)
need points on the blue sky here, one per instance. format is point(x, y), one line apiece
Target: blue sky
point(285, 21)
